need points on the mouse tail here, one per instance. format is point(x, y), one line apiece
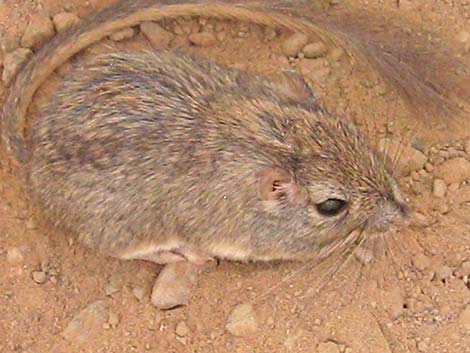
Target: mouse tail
point(128, 13)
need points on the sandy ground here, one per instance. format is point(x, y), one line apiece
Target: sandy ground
point(414, 298)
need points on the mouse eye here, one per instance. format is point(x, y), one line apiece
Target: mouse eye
point(331, 207)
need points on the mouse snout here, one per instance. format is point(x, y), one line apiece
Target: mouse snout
point(388, 213)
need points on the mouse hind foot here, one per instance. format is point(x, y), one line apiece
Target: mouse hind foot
point(165, 254)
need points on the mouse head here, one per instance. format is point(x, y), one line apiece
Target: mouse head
point(329, 177)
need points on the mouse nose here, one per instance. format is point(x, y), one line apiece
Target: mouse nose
point(388, 213)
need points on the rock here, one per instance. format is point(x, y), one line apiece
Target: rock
point(328, 347)
point(125, 33)
point(242, 320)
point(439, 188)
point(14, 256)
point(39, 277)
point(203, 39)
point(64, 21)
point(455, 170)
point(158, 37)
point(409, 158)
point(13, 62)
point(182, 329)
point(173, 285)
point(88, 323)
point(294, 44)
point(464, 318)
point(39, 30)
point(314, 50)
point(421, 261)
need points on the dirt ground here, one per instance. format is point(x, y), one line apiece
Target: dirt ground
point(413, 298)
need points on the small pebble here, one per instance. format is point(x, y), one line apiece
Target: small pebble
point(439, 188)
point(335, 54)
point(87, 323)
point(455, 170)
point(467, 147)
point(294, 44)
point(139, 293)
point(464, 318)
point(454, 187)
point(328, 347)
point(409, 158)
point(293, 339)
point(442, 273)
point(415, 175)
point(13, 62)
point(422, 346)
point(125, 33)
point(158, 37)
point(182, 329)
point(203, 39)
point(113, 319)
point(14, 256)
point(269, 33)
point(39, 277)
point(242, 320)
point(465, 268)
point(173, 285)
point(9, 43)
point(39, 30)
point(314, 68)
point(64, 21)
point(443, 208)
point(314, 50)
point(421, 261)
point(463, 36)
point(111, 289)
point(429, 167)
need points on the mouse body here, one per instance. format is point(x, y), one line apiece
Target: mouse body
point(165, 157)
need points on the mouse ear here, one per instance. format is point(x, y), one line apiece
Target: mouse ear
point(294, 86)
point(277, 185)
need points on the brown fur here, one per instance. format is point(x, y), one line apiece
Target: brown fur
point(170, 151)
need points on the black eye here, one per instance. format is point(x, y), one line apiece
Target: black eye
point(331, 207)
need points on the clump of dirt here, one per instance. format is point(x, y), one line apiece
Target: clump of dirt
point(59, 296)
